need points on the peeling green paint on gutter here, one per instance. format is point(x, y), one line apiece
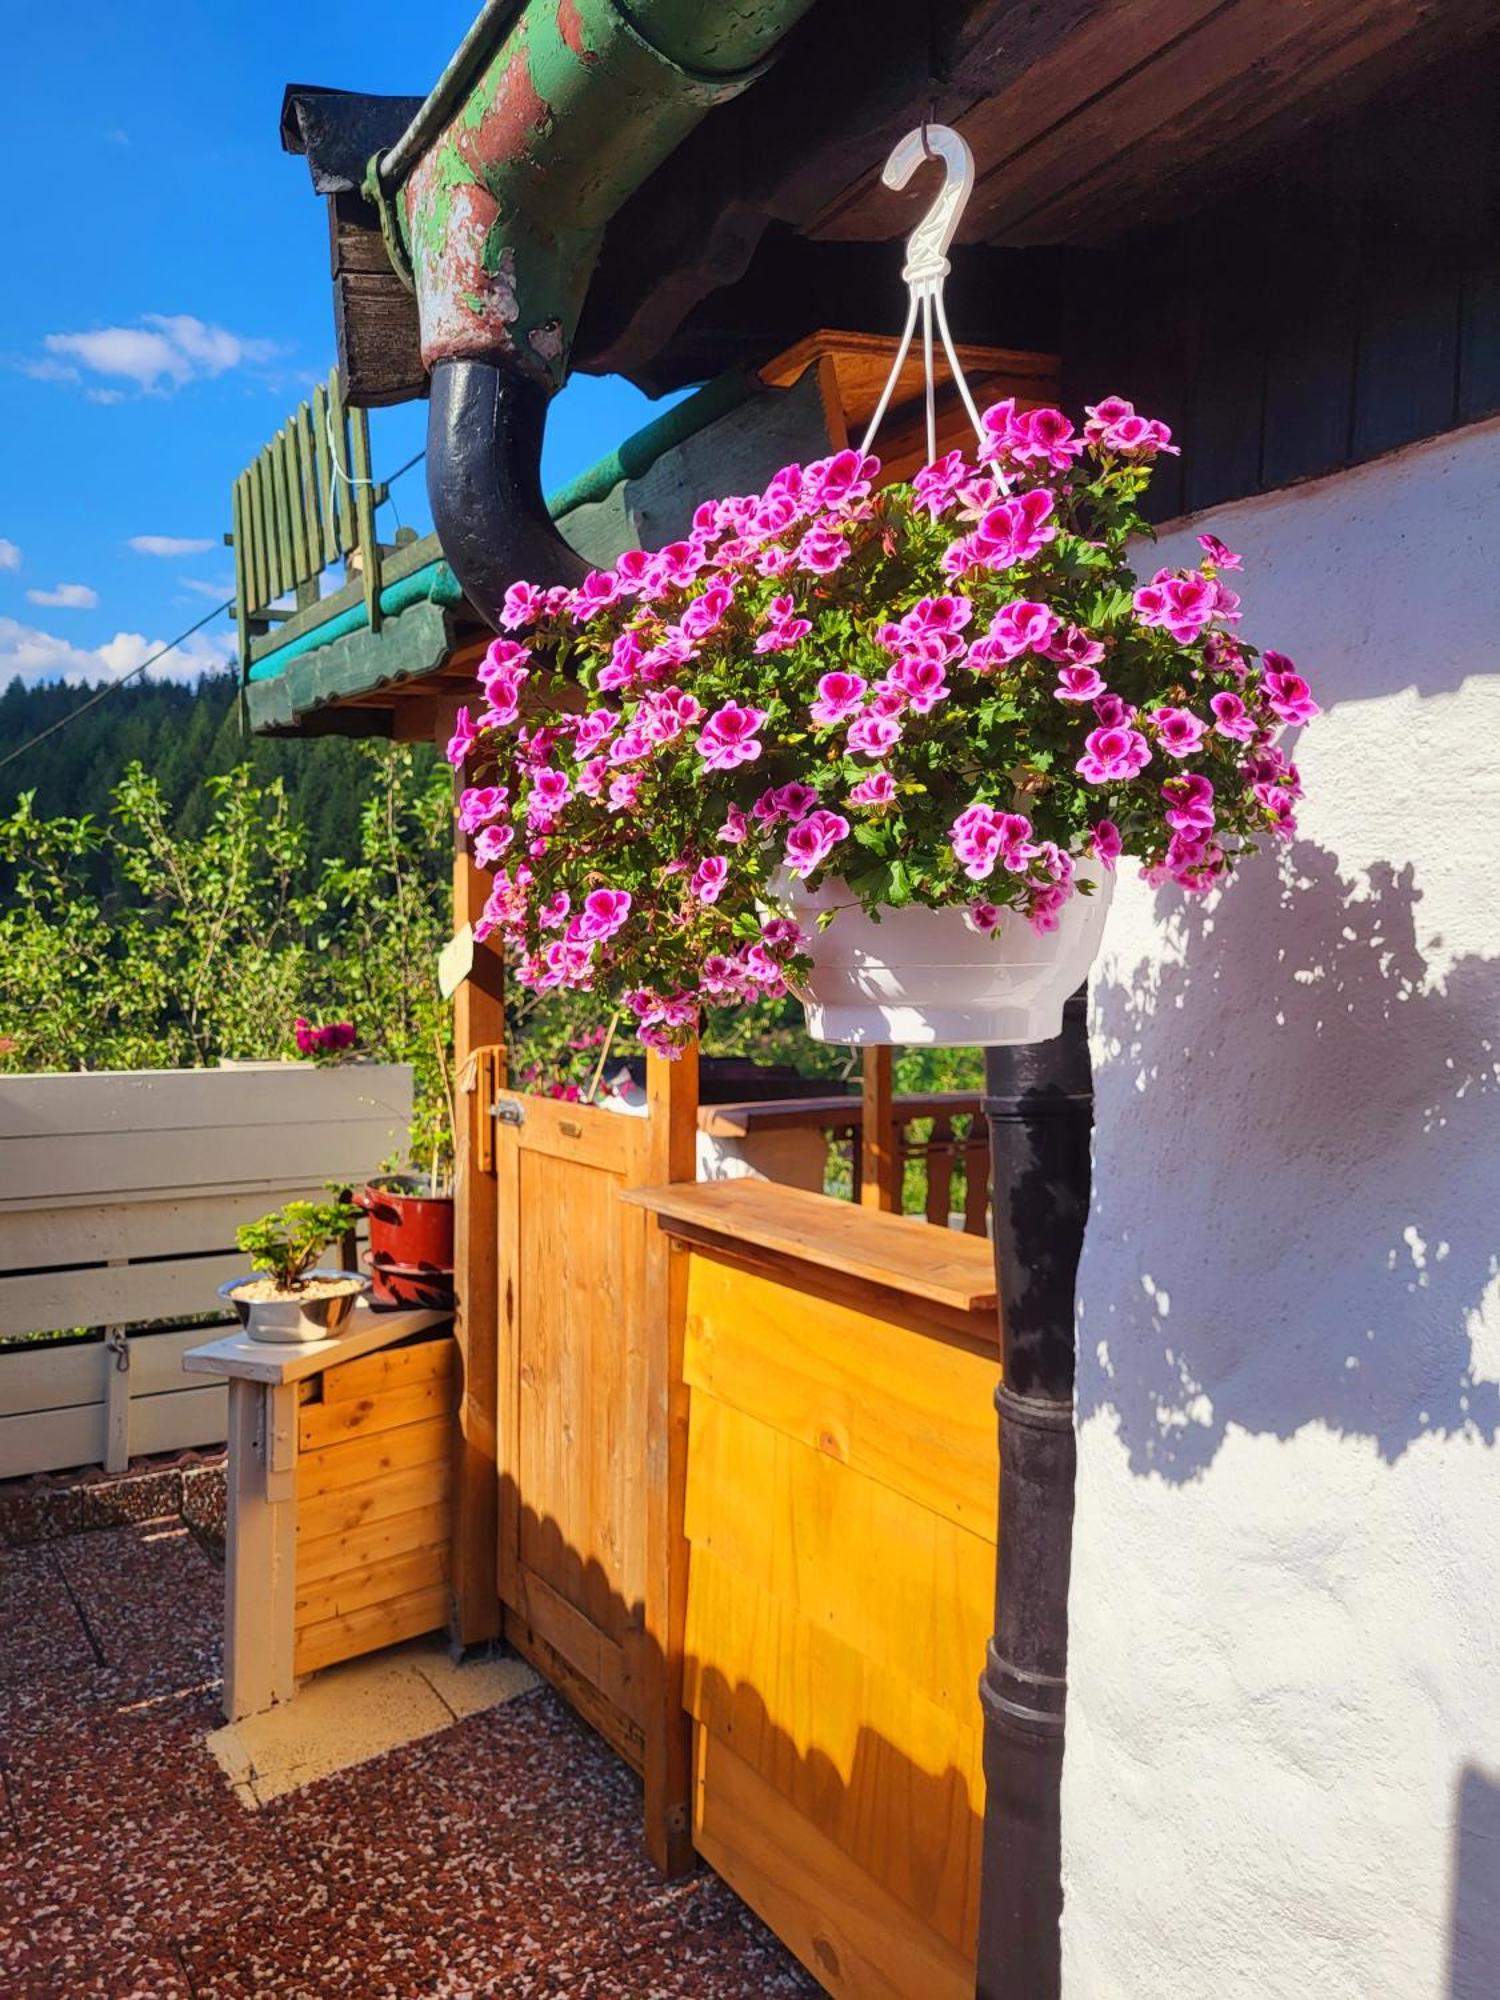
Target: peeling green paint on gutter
point(581, 100)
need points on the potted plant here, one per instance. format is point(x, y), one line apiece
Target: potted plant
point(291, 1300)
point(411, 1214)
point(884, 746)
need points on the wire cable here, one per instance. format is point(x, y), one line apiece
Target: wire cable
point(108, 689)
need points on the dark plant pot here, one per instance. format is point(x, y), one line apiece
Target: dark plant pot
point(411, 1242)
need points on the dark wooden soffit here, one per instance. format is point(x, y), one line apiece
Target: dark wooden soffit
point(1089, 119)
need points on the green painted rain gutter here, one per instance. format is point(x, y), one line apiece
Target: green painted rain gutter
point(552, 113)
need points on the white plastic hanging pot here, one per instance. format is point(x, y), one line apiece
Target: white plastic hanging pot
point(927, 979)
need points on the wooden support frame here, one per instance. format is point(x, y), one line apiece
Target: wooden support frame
point(672, 1103)
point(480, 1069)
point(880, 1148)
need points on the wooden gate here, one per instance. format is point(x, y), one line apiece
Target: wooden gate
point(591, 1422)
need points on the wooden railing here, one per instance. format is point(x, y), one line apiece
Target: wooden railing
point(940, 1146)
point(305, 502)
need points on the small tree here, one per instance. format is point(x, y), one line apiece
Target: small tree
point(286, 1243)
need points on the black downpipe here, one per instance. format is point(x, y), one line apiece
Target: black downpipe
point(1039, 1101)
point(484, 480)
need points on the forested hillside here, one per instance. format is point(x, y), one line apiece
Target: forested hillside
point(181, 735)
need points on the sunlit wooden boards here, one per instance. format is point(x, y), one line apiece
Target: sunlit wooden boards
point(841, 1514)
point(851, 373)
point(374, 1481)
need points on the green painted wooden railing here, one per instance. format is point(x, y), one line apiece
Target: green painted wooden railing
point(302, 504)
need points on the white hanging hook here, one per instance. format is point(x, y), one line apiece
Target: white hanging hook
point(927, 246)
point(927, 266)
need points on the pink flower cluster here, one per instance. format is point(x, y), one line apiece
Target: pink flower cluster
point(332, 1039)
point(945, 692)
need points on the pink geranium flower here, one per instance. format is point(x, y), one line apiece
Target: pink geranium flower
point(1113, 756)
point(1190, 803)
point(1231, 717)
point(1016, 530)
point(1104, 843)
point(604, 910)
point(709, 878)
point(490, 843)
point(523, 606)
point(923, 682)
point(795, 800)
point(1023, 627)
point(1219, 554)
point(822, 551)
point(480, 804)
point(1178, 731)
point(839, 694)
point(872, 735)
point(1078, 684)
point(810, 842)
point(879, 789)
point(729, 737)
point(463, 739)
point(1287, 694)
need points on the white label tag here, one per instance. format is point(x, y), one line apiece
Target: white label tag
point(456, 962)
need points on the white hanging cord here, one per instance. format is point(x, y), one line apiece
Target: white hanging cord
point(924, 271)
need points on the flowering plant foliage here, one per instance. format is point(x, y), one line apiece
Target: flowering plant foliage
point(946, 692)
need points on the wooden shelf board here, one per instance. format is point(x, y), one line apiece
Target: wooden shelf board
point(898, 1252)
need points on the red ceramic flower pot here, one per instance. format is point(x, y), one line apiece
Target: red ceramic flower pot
point(411, 1241)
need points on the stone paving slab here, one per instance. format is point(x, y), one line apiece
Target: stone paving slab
point(500, 1855)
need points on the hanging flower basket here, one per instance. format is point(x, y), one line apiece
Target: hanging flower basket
point(952, 698)
point(926, 978)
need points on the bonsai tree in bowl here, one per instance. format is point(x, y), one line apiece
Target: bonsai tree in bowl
point(291, 1299)
point(883, 746)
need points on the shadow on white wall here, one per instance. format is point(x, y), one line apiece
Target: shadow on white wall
point(1474, 1946)
point(1310, 1202)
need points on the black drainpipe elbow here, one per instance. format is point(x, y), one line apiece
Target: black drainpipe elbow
point(484, 481)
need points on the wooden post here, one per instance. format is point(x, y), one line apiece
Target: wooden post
point(479, 1067)
point(880, 1155)
point(260, 1568)
point(672, 1103)
point(1039, 1102)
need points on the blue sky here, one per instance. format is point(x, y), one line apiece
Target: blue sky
point(166, 302)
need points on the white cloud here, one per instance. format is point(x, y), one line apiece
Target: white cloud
point(160, 353)
point(171, 545)
point(206, 587)
point(31, 655)
point(66, 597)
point(10, 555)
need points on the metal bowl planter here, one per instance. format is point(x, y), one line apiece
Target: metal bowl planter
point(293, 1317)
point(411, 1241)
point(928, 979)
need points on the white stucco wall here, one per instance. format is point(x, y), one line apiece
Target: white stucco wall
point(1283, 1763)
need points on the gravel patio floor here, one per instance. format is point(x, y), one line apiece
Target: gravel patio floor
point(499, 1856)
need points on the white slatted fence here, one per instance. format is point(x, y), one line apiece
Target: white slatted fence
point(120, 1193)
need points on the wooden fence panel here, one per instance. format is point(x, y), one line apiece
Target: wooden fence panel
point(120, 1194)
